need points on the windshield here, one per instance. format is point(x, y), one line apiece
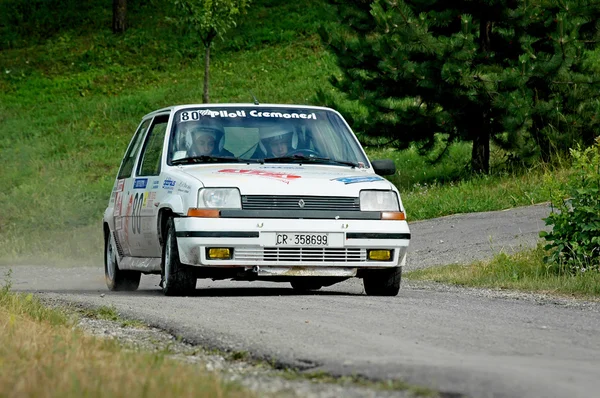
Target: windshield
point(261, 134)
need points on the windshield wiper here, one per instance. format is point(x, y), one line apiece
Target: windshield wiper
point(206, 159)
point(306, 159)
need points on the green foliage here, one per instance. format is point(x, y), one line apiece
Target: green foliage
point(550, 96)
point(271, 22)
point(574, 241)
point(524, 270)
point(207, 18)
point(37, 20)
point(516, 73)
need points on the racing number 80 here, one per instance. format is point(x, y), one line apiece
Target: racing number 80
point(136, 220)
point(185, 116)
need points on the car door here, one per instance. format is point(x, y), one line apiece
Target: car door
point(142, 212)
point(124, 186)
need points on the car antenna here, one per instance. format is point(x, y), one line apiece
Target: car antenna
point(255, 100)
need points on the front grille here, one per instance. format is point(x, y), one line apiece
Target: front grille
point(271, 202)
point(301, 254)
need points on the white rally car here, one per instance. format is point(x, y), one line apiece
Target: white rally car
point(279, 193)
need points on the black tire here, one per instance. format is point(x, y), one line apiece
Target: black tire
point(117, 280)
point(383, 282)
point(177, 279)
point(304, 284)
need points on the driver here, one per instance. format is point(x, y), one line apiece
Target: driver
point(207, 140)
point(203, 142)
point(276, 141)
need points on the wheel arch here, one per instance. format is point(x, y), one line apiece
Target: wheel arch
point(106, 229)
point(163, 217)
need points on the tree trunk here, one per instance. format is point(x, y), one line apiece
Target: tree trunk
point(119, 16)
point(480, 154)
point(206, 71)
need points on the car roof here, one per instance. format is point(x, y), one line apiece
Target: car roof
point(175, 108)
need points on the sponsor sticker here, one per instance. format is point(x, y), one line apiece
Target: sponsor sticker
point(184, 187)
point(118, 203)
point(155, 184)
point(283, 177)
point(190, 116)
point(140, 183)
point(169, 184)
point(149, 199)
point(357, 179)
point(120, 185)
point(271, 167)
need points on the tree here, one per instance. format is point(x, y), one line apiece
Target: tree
point(207, 19)
point(423, 67)
point(119, 21)
point(552, 103)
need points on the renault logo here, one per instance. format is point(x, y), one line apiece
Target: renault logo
point(301, 203)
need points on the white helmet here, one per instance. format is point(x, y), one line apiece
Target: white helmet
point(278, 132)
point(194, 130)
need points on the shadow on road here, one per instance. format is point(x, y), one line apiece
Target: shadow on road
point(203, 292)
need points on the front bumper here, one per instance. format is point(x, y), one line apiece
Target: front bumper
point(253, 241)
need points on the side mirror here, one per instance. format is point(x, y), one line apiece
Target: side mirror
point(384, 167)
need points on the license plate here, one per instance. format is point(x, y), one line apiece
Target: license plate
point(299, 239)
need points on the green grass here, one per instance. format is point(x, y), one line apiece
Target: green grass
point(70, 101)
point(109, 313)
point(43, 354)
point(436, 190)
point(525, 271)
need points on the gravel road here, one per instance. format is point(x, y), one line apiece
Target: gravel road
point(458, 341)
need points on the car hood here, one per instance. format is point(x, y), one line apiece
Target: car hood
point(279, 179)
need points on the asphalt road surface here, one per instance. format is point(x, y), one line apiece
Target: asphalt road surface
point(472, 342)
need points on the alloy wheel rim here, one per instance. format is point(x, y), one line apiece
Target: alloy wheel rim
point(110, 260)
point(167, 260)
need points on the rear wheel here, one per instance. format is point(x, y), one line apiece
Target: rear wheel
point(383, 282)
point(117, 280)
point(304, 284)
point(177, 279)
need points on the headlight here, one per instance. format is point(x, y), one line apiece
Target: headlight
point(219, 198)
point(379, 201)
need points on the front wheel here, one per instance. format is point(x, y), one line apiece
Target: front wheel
point(383, 282)
point(177, 279)
point(117, 280)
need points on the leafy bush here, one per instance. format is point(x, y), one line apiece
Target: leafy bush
point(574, 241)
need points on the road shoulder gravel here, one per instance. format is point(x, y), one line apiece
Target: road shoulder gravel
point(264, 379)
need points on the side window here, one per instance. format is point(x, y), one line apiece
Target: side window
point(152, 155)
point(133, 150)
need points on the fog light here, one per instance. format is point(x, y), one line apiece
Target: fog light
point(379, 255)
point(219, 253)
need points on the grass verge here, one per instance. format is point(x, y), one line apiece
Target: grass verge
point(524, 271)
point(42, 354)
